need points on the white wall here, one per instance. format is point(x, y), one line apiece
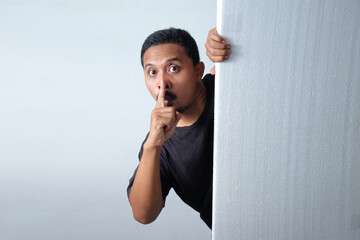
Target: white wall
point(287, 121)
point(74, 110)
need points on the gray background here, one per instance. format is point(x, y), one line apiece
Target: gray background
point(74, 110)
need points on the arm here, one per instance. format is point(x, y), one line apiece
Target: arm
point(145, 196)
point(217, 49)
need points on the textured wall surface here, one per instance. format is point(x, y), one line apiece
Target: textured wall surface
point(287, 121)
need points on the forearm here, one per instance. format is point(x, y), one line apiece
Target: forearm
point(146, 195)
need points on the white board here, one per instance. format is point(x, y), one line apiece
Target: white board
point(287, 121)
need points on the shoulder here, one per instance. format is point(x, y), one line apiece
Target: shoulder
point(208, 79)
point(209, 83)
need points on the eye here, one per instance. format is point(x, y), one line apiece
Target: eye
point(174, 68)
point(152, 72)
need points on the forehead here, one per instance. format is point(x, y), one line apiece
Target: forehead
point(163, 52)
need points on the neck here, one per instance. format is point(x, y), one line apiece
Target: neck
point(193, 112)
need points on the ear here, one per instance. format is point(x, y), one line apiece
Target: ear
point(199, 68)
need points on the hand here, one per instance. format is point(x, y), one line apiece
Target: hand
point(216, 48)
point(163, 120)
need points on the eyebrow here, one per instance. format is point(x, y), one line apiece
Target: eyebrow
point(174, 59)
point(169, 60)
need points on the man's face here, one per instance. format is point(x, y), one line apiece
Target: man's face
point(168, 63)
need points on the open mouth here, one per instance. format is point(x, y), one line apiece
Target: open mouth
point(167, 101)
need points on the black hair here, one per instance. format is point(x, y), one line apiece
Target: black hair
point(176, 36)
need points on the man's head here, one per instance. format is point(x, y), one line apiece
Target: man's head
point(172, 35)
point(170, 58)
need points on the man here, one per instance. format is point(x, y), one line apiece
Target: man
point(177, 152)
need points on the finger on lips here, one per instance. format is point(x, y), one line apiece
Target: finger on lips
point(161, 96)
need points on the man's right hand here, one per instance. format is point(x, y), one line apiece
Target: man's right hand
point(163, 120)
point(146, 197)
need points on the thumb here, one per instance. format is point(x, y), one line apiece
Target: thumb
point(177, 117)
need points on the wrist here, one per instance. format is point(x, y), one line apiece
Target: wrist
point(150, 146)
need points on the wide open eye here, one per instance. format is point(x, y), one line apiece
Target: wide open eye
point(152, 72)
point(173, 68)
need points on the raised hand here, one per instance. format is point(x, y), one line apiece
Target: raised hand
point(163, 120)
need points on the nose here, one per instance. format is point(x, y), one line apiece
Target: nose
point(163, 78)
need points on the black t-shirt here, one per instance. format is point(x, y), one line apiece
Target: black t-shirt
point(186, 160)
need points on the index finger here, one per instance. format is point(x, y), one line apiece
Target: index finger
point(161, 97)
